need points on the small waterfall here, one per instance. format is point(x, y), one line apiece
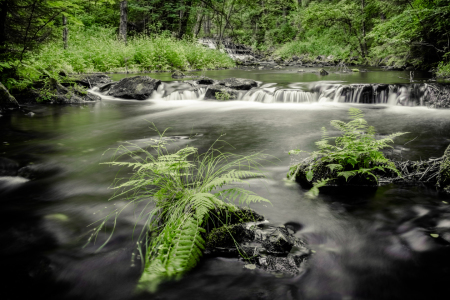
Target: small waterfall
point(391, 94)
point(293, 96)
point(235, 51)
point(192, 94)
point(259, 95)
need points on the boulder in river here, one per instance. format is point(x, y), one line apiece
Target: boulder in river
point(266, 247)
point(138, 87)
point(443, 178)
point(322, 72)
point(220, 92)
point(238, 83)
point(178, 74)
point(6, 99)
point(8, 167)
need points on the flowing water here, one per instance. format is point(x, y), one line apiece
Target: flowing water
point(368, 245)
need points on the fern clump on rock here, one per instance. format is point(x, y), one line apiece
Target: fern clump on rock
point(183, 189)
point(355, 156)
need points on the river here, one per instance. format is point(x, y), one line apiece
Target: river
point(374, 245)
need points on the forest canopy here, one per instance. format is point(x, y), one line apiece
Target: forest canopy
point(398, 33)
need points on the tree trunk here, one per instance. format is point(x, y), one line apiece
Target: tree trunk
point(198, 26)
point(207, 26)
point(364, 44)
point(123, 21)
point(65, 31)
point(3, 15)
point(184, 19)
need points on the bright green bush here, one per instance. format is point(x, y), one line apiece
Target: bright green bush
point(316, 42)
point(185, 189)
point(443, 70)
point(355, 152)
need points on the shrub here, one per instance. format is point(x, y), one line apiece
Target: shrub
point(182, 187)
point(356, 152)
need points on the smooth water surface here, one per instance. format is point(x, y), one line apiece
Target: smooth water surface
point(368, 245)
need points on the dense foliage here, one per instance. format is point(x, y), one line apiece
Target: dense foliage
point(388, 32)
point(355, 153)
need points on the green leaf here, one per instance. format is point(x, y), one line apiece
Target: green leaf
point(309, 175)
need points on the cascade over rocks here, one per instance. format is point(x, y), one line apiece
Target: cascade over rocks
point(138, 87)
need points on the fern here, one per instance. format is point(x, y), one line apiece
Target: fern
point(355, 152)
point(181, 187)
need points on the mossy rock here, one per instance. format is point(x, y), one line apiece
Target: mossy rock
point(225, 216)
point(322, 72)
point(322, 171)
point(443, 178)
point(228, 236)
point(355, 70)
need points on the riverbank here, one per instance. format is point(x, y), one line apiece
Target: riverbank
point(97, 49)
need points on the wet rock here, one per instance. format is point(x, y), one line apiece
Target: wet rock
point(321, 57)
point(238, 83)
point(265, 247)
point(106, 87)
point(8, 167)
point(90, 81)
point(278, 241)
point(6, 99)
point(322, 72)
point(228, 235)
point(205, 80)
point(138, 87)
point(321, 171)
point(91, 97)
point(178, 74)
point(221, 92)
point(443, 177)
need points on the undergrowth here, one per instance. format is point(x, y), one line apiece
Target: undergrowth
point(97, 49)
point(355, 153)
point(185, 189)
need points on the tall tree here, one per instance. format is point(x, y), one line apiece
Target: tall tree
point(123, 21)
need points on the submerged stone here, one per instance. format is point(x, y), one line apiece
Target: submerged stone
point(322, 72)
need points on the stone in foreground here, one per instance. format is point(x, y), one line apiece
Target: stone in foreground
point(266, 247)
